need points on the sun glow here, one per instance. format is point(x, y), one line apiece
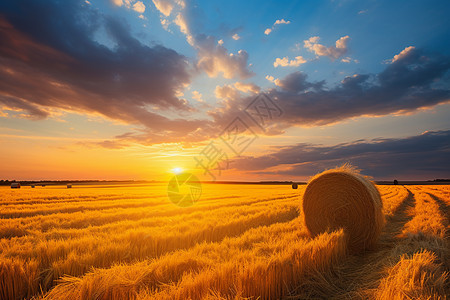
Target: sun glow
point(177, 170)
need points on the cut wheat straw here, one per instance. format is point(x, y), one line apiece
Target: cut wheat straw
point(342, 198)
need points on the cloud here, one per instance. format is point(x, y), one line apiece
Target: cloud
point(139, 7)
point(415, 81)
point(181, 22)
point(164, 6)
point(214, 59)
point(404, 53)
point(296, 82)
point(227, 92)
point(247, 87)
point(28, 110)
point(349, 60)
point(381, 158)
point(197, 96)
point(236, 37)
point(64, 67)
point(165, 24)
point(285, 62)
point(232, 92)
point(118, 2)
point(108, 144)
point(404, 86)
point(282, 21)
point(277, 22)
point(333, 52)
point(270, 78)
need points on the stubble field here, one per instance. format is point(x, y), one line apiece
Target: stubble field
point(237, 241)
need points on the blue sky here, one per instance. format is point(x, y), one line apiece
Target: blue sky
point(141, 78)
point(378, 30)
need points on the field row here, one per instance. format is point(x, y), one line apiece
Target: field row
point(148, 248)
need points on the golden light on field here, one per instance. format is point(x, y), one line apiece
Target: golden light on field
point(130, 242)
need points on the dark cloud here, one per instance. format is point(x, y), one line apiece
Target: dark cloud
point(296, 82)
point(51, 58)
point(34, 112)
point(414, 80)
point(413, 157)
point(405, 85)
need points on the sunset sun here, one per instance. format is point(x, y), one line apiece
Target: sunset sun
point(177, 170)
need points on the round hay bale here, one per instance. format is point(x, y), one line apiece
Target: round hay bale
point(295, 186)
point(342, 198)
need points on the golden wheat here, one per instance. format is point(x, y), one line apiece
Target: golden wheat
point(237, 242)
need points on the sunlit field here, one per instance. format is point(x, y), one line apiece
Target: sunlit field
point(237, 241)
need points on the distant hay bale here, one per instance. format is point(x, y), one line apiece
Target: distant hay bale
point(295, 186)
point(69, 186)
point(15, 185)
point(342, 198)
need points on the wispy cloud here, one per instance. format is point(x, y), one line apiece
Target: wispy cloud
point(333, 52)
point(164, 6)
point(277, 22)
point(349, 60)
point(231, 92)
point(212, 56)
point(197, 96)
point(285, 62)
point(137, 6)
point(215, 60)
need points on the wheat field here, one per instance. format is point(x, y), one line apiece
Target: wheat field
point(236, 242)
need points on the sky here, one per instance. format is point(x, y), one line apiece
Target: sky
point(226, 90)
